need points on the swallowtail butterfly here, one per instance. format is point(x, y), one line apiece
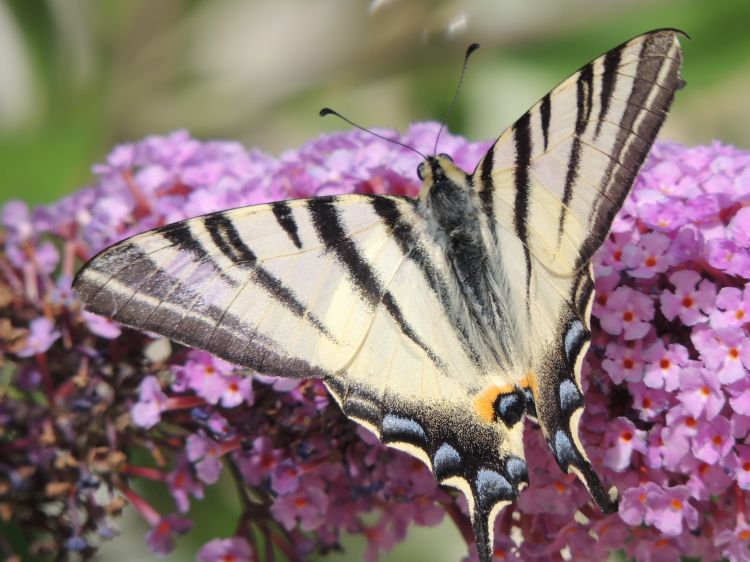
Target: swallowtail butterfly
point(441, 322)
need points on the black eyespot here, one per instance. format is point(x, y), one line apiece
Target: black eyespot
point(420, 170)
point(446, 156)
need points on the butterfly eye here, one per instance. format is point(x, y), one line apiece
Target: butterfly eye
point(445, 156)
point(420, 171)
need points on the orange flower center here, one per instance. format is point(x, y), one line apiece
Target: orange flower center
point(675, 504)
point(734, 353)
point(665, 364)
point(647, 403)
point(300, 502)
point(601, 300)
point(628, 363)
point(617, 254)
point(739, 315)
point(717, 440)
point(650, 261)
point(705, 391)
point(687, 302)
point(559, 486)
point(626, 435)
point(745, 534)
point(628, 316)
point(691, 422)
point(234, 387)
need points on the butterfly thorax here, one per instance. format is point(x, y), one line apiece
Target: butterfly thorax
point(449, 205)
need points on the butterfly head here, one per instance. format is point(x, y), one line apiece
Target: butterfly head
point(439, 172)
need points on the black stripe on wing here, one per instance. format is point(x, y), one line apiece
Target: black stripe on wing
point(522, 138)
point(327, 223)
point(609, 81)
point(134, 294)
point(545, 108)
point(181, 237)
point(487, 190)
point(226, 238)
point(408, 241)
point(633, 142)
point(283, 213)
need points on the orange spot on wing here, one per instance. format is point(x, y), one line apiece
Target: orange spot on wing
point(529, 381)
point(484, 402)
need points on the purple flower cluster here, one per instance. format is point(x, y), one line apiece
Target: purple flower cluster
point(667, 392)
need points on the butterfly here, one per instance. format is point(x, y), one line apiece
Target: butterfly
point(439, 322)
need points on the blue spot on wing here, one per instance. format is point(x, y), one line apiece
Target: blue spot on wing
point(447, 461)
point(574, 338)
point(564, 451)
point(517, 470)
point(492, 487)
point(404, 429)
point(570, 397)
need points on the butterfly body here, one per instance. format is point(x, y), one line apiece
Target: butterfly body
point(480, 297)
point(442, 322)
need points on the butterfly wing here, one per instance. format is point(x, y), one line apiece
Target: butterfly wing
point(351, 289)
point(550, 188)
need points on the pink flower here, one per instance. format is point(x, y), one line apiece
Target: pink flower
point(713, 441)
point(739, 227)
point(734, 542)
point(628, 313)
point(649, 257)
point(101, 326)
point(726, 255)
point(206, 375)
point(236, 549)
point(726, 350)
point(732, 308)
point(700, 392)
point(183, 484)
point(625, 440)
point(740, 396)
point(42, 334)
point(151, 401)
point(623, 361)
point(670, 509)
point(306, 506)
point(742, 468)
point(237, 391)
point(204, 453)
point(663, 365)
point(160, 539)
point(690, 303)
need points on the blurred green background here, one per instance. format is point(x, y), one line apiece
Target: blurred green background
point(77, 76)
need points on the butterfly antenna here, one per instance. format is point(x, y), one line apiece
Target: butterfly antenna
point(473, 47)
point(328, 111)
